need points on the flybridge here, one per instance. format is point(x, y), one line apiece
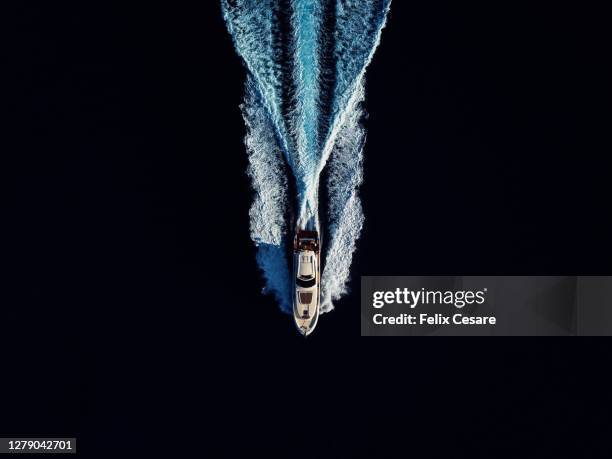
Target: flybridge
point(306, 240)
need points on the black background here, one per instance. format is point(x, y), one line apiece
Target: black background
point(132, 315)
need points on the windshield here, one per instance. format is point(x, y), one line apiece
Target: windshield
point(306, 283)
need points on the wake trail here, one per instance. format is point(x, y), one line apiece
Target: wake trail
point(303, 111)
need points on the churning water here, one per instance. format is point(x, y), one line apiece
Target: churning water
point(306, 61)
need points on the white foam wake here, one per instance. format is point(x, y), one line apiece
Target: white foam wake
point(267, 214)
point(299, 122)
point(345, 214)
